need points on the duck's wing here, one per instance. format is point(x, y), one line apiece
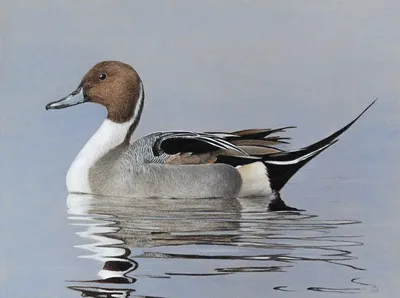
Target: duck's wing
point(186, 147)
point(241, 148)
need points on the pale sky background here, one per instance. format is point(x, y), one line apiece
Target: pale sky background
point(206, 65)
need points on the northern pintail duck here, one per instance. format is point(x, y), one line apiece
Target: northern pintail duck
point(180, 164)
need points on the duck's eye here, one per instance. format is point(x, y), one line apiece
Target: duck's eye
point(103, 76)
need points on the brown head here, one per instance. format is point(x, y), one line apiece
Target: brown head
point(113, 84)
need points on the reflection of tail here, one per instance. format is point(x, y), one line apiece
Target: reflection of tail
point(116, 271)
point(281, 166)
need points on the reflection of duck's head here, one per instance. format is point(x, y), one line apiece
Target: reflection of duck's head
point(225, 234)
point(108, 248)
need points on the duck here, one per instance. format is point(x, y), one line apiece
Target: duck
point(175, 164)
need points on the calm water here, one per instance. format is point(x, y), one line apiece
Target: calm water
point(170, 247)
point(214, 65)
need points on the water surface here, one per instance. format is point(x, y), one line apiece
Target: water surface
point(164, 242)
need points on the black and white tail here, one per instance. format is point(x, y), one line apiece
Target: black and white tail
point(283, 165)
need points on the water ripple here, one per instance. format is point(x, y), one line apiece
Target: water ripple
point(166, 238)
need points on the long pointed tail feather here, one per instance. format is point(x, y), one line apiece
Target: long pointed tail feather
point(283, 165)
point(280, 172)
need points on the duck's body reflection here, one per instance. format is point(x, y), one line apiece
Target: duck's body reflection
point(239, 233)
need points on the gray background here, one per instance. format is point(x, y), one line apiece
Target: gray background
point(206, 65)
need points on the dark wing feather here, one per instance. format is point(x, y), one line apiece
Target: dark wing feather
point(196, 143)
point(257, 143)
point(185, 147)
point(256, 134)
point(260, 133)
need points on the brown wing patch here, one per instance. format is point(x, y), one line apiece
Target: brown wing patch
point(255, 142)
point(257, 151)
point(246, 132)
point(188, 158)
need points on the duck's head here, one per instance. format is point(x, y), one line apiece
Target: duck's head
point(113, 84)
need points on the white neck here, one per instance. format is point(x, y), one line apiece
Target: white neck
point(107, 137)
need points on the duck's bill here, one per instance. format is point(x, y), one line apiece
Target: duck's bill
point(75, 98)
